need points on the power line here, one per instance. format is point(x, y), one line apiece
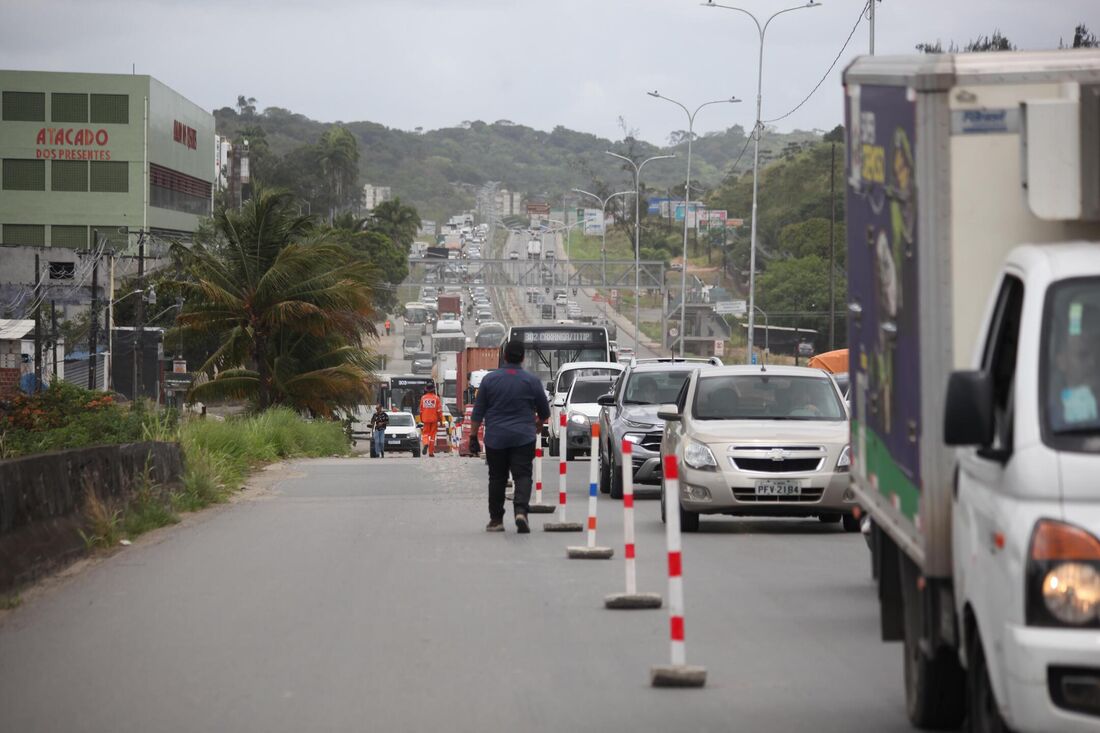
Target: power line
point(817, 86)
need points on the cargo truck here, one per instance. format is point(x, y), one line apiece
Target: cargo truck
point(973, 216)
point(473, 359)
point(534, 249)
point(450, 306)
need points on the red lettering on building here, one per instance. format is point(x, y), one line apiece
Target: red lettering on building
point(184, 134)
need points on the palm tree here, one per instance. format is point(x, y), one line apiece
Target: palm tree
point(289, 306)
point(339, 158)
point(397, 221)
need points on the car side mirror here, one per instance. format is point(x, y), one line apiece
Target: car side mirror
point(606, 400)
point(550, 387)
point(968, 413)
point(668, 412)
point(559, 402)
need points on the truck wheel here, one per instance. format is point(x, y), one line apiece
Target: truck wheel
point(935, 697)
point(605, 475)
point(984, 715)
point(851, 524)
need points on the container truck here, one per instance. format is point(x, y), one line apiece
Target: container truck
point(473, 359)
point(973, 219)
point(450, 306)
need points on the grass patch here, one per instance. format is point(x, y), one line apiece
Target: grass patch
point(7, 603)
point(102, 523)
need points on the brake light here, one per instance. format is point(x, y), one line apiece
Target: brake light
point(1053, 540)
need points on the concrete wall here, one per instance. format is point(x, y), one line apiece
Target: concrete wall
point(42, 500)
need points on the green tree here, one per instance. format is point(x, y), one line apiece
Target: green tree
point(795, 292)
point(289, 305)
point(338, 155)
point(397, 221)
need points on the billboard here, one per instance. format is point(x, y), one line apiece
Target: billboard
point(693, 208)
point(594, 222)
point(712, 219)
point(657, 205)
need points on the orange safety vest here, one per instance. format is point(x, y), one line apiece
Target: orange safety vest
point(430, 407)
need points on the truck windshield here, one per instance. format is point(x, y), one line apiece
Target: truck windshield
point(1071, 365)
point(763, 397)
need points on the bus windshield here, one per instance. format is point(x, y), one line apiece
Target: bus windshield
point(547, 348)
point(416, 313)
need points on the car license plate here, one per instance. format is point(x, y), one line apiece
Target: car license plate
point(771, 487)
point(394, 440)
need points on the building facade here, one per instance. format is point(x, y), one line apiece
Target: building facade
point(374, 195)
point(121, 154)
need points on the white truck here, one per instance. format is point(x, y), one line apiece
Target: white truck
point(973, 216)
point(445, 373)
point(534, 248)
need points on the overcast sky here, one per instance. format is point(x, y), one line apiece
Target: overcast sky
point(435, 63)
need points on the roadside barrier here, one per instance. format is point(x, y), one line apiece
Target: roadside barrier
point(537, 507)
point(631, 598)
point(591, 551)
point(560, 525)
point(678, 673)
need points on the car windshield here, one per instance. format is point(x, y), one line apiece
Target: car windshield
point(1071, 364)
point(767, 397)
point(566, 378)
point(401, 420)
point(413, 342)
point(654, 388)
point(585, 391)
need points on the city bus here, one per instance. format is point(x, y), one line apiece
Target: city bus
point(416, 314)
point(490, 334)
point(403, 391)
point(548, 347)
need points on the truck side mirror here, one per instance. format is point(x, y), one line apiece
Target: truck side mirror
point(968, 412)
point(606, 400)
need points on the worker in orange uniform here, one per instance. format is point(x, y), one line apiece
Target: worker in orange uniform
point(388, 326)
point(431, 414)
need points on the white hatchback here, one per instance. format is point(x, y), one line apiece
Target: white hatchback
point(559, 389)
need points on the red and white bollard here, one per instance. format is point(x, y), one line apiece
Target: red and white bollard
point(678, 673)
point(632, 598)
point(591, 551)
point(537, 507)
point(560, 525)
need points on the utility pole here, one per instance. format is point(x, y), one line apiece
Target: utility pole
point(37, 326)
point(53, 335)
point(832, 244)
point(140, 319)
point(872, 24)
point(94, 321)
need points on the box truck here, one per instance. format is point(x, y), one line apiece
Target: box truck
point(973, 216)
point(474, 359)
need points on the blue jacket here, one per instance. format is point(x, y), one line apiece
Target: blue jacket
point(507, 402)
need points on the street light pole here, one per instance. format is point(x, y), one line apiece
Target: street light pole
point(757, 129)
point(603, 228)
point(687, 204)
point(637, 232)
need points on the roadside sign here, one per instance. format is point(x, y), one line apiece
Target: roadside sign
point(614, 294)
point(754, 357)
point(719, 347)
point(179, 366)
point(731, 222)
point(731, 307)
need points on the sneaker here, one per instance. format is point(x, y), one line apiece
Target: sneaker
point(521, 524)
point(495, 525)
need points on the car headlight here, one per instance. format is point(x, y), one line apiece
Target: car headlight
point(635, 438)
point(578, 419)
point(1063, 576)
point(635, 424)
point(697, 455)
point(845, 460)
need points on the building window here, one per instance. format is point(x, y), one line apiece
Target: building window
point(110, 177)
point(68, 175)
point(28, 235)
point(24, 106)
point(116, 238)
point(68, 107)
point(110, 108)
point(169, 189)
point(62, 270)
point(73, 237)
point(24, 175)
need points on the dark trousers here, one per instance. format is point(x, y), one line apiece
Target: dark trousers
point(520, 462)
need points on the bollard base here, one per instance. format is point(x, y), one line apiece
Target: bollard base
point(589, 553)
point(680, 675)
point(540, 509)
point(563, 527)
point(632, 600)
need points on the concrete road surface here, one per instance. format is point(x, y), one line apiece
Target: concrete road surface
point(364, 595)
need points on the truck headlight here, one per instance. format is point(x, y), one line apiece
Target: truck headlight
point(1071, 592)
point(697, 455)
point(578, 419)
point(845, 460)
point(1063, 576)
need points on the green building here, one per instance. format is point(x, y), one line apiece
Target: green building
point(118, 153)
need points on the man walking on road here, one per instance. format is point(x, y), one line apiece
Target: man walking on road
point(379, 421)
point(388, 326)
point(431, 413)
point(513, 405)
